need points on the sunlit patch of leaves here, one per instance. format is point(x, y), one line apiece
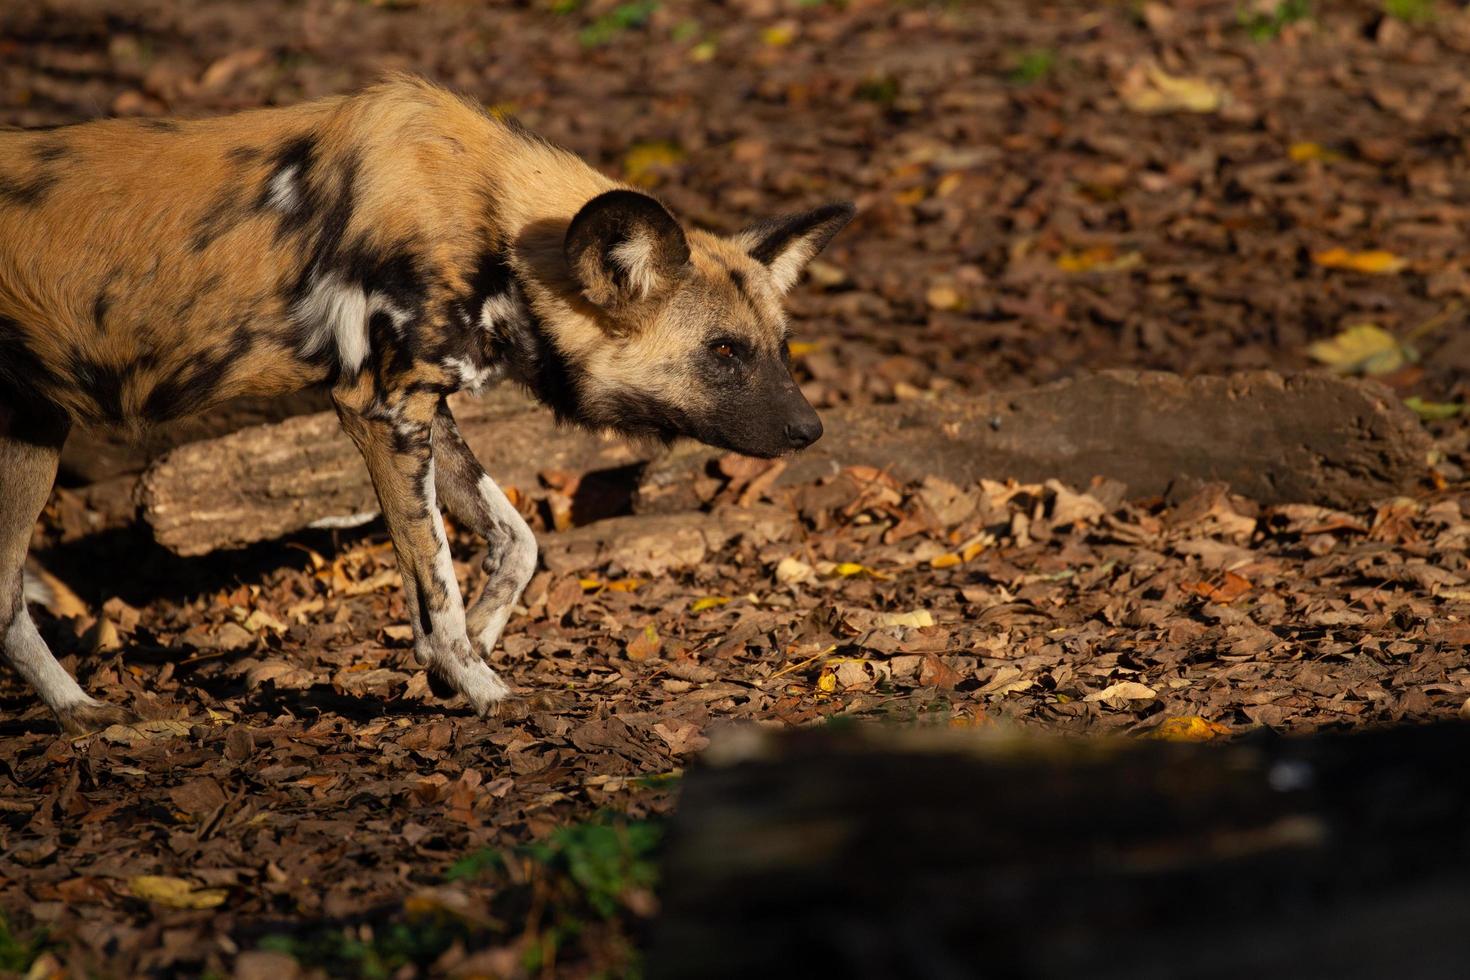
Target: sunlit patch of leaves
point(624, 17)
point(1266, 21)
point(598, 875)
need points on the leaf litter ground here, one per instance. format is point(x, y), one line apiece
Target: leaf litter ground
point(1043, 191)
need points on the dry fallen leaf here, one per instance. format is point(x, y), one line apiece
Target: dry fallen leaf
point(175, 892)
point(1224, 592)
point(1147, 88)
point(917, 618)
point(849, 569)
point(646, 644)
point(1363, 348)
point(708, 602)
point(1123, 691)
point(792, 570)
point(1189, 728)
point(1100, 258)
point(1375, 261)
point(1303, 152)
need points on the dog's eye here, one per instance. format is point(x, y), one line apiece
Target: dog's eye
point(723, 348)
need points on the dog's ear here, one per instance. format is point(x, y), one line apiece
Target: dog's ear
point(786, 244)
point(624, 247)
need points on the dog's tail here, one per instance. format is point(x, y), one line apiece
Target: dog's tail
point(46, 590)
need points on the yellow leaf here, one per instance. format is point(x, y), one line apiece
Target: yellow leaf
point(969, 551)
point(1364, 348)
point(827, 683)
point(917, 618)
point(708, 602)
point(1189, 728)
point(1432, 411)
point(908, 198)
point(801, 348)
point(624, 584)
point(1302, 152)
point(643, 161)
point(1374, 261)
point(175, 892)
point(848, 569)
point(1149, 89)
point(948, 560)
point(943, 296)
point(1100, 258)
point(703, 51)
point(591, 584)
point(779, 35)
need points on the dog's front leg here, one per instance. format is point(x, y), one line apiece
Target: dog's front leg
point(394, 432)
point(475, 500)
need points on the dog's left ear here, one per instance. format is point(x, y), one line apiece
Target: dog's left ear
point(786, 244)
point(624, 247)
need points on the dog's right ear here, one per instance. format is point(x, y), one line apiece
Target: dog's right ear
point(624, 247)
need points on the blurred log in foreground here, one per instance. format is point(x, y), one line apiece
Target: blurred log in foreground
point(1307, 438)
point(945, 854)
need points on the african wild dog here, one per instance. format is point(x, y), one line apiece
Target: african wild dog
point(395, 246)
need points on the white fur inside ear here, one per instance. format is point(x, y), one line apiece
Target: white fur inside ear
point(786, 267)
point(636, 257)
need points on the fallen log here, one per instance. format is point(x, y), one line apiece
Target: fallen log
point(934, 854)
point(1307, 438)
point(269, 480)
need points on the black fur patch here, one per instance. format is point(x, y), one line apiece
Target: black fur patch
point(190, 388)
point(426, 621)
point(776, 235)
point(23, 378)
point(103, 384)
point(159, 125)
point(223, 214)
point(99, 308)
point(244, 155)
point(26, 193)
point(297, 156)
point(49, 151)
point(612, 218)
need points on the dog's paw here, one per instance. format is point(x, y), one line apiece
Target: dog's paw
point(482, 687)
point(87, 717)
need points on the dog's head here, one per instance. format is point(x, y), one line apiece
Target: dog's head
point(691, 337)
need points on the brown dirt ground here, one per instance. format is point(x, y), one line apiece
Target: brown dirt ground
point(1019, 222)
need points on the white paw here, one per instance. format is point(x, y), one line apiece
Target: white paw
point(473, 678)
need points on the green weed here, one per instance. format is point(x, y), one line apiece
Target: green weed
point(621, 18)
point(1410, 11)
point(1263, 24)
point(552, 896)
point(1032, 66)
point(17, 953)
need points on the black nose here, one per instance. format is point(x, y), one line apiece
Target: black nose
point(804, 432)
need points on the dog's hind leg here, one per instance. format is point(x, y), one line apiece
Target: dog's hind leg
point(29, 450)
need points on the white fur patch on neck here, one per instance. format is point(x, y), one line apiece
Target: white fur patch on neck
point(636, 257)
point(502, 310)
point(283, 194)
point(336, 314)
